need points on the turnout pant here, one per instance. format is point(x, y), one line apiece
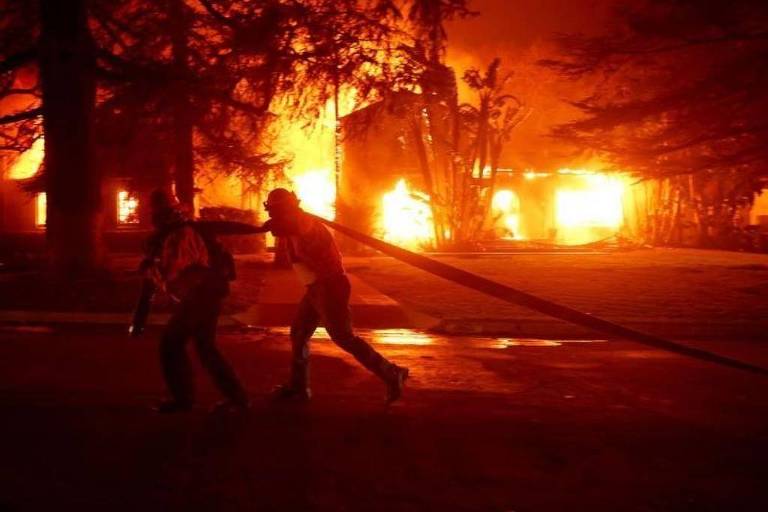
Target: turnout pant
point(196, 317)
point(326, 302)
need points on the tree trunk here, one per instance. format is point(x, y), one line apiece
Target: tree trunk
point(486, 201)
point(675, 215)
point(454, 167)
point(73, 185)
point(440, 214)
point(183, 120)
point(336, 139)
point(184, 163)
point(426, 171)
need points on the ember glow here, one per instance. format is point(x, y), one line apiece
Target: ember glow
point(316, 189)
point(592, 203)
point(28, 162)
point(506, 208)
point(406, 217)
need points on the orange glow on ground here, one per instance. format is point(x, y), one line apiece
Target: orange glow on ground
point(27, 164)
point(406, 217)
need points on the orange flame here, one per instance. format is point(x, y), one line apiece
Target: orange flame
point(27, 164)
point(406, 217)
point(506, 207)
point(596, 203)
point(316, 188)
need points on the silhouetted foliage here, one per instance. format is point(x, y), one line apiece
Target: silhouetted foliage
point(458, 146)
point(680, 90)
point(186, 85)
point(679, 96)
point(19, 86)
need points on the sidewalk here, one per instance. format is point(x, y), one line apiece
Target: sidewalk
point(281, 293)
point(262, 297)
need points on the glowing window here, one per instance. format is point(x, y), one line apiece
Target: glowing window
point(41, 205)
point(127, 208)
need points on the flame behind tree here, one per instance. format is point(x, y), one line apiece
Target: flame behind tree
point(19, 84)
point(200, 79)
point(181, 84)
point(406, 218)
point(489, 126)
point(48, 75)
point(346, 45)
point(212, 77)
point(458, 146)
point(681, 101)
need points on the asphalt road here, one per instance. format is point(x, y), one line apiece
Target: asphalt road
point(486, 425)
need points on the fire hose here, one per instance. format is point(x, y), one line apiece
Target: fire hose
point(527, 300)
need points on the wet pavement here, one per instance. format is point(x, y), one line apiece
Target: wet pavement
point(420, 337)
point(486, 424)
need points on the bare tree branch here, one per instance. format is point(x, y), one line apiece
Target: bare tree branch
point(217, 15)
point(21, 116)
point(19, 59)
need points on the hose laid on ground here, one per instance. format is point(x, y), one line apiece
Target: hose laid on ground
point(520, 298)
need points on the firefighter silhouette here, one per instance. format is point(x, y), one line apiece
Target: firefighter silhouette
point(317, 262)
point(194, 270)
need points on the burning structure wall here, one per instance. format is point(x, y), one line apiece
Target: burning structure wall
point(382, 190)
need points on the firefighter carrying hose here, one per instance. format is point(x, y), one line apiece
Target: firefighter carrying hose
point(194, 270)
point(317, 262)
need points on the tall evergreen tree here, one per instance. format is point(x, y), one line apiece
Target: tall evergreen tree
point(679, 99)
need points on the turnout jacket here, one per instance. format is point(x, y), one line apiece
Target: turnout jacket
point(311, 247)
point(181, 262)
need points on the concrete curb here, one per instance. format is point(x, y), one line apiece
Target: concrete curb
point(80, 318)
point(279, 316)
point(281, 293)
point(276, 307)
point(684, 330)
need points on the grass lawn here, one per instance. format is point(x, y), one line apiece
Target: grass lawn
point(688, 293)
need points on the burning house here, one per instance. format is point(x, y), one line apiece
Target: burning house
point(382, 189)
point(125, 217)
point(23, 209)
